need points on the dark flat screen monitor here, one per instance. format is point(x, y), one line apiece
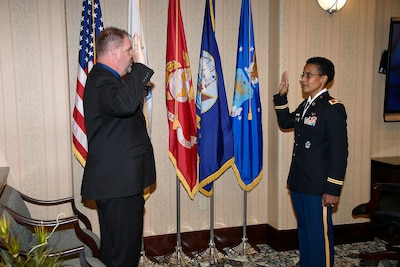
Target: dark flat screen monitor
point(392, 86)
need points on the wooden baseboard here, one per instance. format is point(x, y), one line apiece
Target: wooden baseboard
point(279, 240)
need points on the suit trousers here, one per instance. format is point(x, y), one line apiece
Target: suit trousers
point(121, 230)
point(315, 230)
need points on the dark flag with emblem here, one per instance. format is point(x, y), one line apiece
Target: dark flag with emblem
point(214, 130)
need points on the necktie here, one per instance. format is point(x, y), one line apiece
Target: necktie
point(305, 108)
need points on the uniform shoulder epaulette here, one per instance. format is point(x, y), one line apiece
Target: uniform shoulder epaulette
point(335, 101)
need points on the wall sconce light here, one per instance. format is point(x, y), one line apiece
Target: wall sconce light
point(331, 5)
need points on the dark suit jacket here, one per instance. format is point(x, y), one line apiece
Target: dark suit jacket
point(320, 150)
point(120, 159)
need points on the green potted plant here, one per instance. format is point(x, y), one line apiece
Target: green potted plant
point(11, 255)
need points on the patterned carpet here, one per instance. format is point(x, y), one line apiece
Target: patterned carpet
point(345, 256)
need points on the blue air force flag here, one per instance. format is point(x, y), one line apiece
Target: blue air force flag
point(246, 107)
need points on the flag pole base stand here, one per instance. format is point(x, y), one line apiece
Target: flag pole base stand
point(178, 258)
point(144, 261)
point(212, 255)
point(243, 249)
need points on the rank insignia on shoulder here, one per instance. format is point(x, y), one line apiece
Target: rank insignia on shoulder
point(334, 101)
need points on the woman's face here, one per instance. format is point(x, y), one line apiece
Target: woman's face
point(312, 81)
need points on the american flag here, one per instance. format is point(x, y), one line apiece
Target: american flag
point(91, 26)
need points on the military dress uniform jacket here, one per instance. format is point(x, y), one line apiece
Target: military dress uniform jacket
point(120, 159)
point(320, 151)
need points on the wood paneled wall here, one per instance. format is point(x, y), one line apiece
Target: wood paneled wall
point(38, 63)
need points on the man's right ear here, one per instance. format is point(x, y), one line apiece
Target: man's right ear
point(114, 51)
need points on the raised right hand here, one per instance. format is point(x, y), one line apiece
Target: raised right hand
point(137, 50)
point(284, 84)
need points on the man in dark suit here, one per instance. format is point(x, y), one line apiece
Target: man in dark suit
point(120, 161)
point(319, 159)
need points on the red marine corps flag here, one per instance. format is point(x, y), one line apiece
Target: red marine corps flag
point(180, 98)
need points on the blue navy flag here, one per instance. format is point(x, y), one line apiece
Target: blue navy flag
point(91, 26)
point(214, 131)
point(246, 107)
